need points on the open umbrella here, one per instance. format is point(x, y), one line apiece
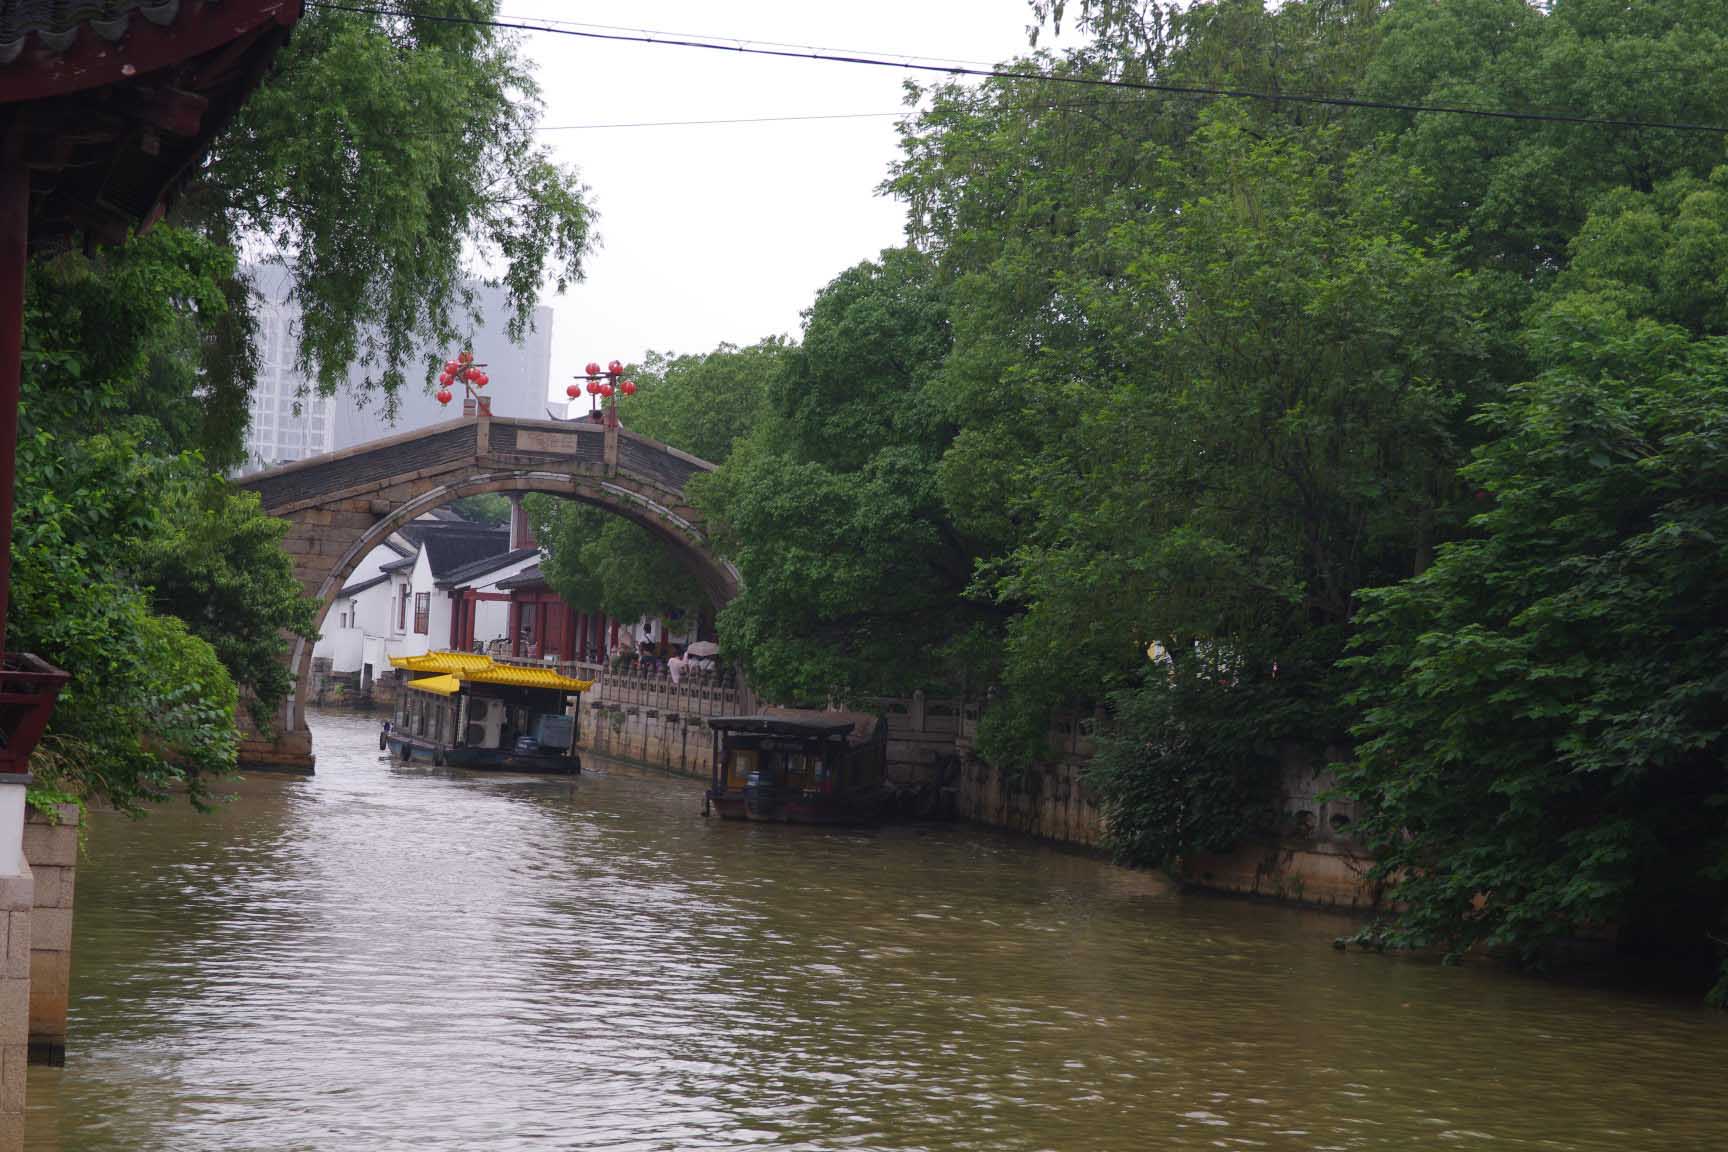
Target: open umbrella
point(702, 649)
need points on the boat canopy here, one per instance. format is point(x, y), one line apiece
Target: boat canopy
point(781, 726)
point(447, 672)
point(442, 685)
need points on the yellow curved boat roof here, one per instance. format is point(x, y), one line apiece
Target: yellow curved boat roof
point(446, 672)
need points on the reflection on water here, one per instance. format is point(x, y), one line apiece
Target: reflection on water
point(394, 958)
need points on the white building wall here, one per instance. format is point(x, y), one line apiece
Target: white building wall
point(412, 642)
point(342, 637)
point(372, 564)
point(372, 610)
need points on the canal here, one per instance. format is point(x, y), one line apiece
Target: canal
point(400, 958)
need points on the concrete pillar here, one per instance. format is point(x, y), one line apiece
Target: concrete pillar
point(17, 895)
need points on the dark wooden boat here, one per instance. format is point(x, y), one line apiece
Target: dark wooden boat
point(470, 711)
point(799, 767)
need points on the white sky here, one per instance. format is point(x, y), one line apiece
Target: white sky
point(725, 232)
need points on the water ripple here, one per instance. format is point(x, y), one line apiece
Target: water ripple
point(394, 958)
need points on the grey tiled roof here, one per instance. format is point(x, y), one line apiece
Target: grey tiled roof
point(468, 573)
point(57, 24)
point(527, 578)
point(363, 585)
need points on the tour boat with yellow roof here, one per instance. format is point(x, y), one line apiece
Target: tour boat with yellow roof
point(471, 711)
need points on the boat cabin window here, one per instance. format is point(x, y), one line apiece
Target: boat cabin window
point(742, 762)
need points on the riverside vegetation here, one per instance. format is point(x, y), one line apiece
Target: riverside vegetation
point(1402, 436)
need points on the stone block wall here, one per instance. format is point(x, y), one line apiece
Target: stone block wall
point(17, 895)
point(1321, 873)
point(678, 743)
point(1050, 801)
point(52, 849)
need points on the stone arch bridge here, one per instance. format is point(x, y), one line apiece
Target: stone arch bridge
point(341, 506)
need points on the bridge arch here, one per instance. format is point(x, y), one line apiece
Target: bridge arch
point(342, 506)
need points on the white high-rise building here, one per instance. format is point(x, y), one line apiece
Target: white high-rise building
point(290, 421)
point(286, 424)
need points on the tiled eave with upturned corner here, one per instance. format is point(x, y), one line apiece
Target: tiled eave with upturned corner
point(111, 104)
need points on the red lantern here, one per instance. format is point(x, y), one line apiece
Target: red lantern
point(629, 387)
point(573, 391)
point(481, 379)
point(605, 389)
point(443, 395)
point(446, 380)
point(451, 367)
point(593, 388)
point(467, 357)
point(616, 368)
point(593, 368)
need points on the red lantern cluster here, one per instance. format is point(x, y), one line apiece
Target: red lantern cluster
point(603, 382)
point(463, 370)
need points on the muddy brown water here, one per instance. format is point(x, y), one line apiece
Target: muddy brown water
point(389, 957)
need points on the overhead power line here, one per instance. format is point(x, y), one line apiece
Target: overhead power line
point(718, 37)
point(733, 120)
point(745, 48)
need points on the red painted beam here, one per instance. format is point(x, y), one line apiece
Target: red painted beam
point(14, 255)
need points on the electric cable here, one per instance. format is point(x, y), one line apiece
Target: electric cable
point(910, 65)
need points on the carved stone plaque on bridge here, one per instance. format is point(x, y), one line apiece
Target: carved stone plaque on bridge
point(550, 443)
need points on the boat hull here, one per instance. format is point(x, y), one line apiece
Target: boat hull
point(795, 809)
point(410, 749)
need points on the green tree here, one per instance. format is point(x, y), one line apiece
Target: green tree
point(387, 158)
point(703, 404)
point(853, 573)
point(214, 560)
point(1541, 742)
point(156, 585)
point(491, 508)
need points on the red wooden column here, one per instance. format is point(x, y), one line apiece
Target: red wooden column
point(14, 257)
point(515, 627)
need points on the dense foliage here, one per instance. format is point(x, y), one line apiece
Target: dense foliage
point(1387, 430)
point(160, 588)
point(1543, 728)
point(387, 159)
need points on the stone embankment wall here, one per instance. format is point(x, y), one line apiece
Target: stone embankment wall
point(648, 720)
point(930, 754)
point(1050, 802)
point(1314, 862)
point(51, 847)
point(16, 892)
